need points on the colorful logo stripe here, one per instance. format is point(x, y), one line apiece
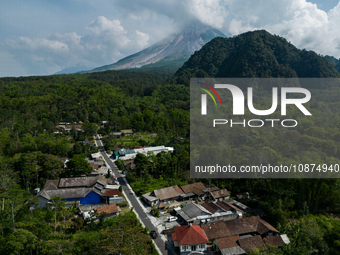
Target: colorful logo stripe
point(213, 90)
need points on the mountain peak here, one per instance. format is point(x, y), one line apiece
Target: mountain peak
point(171, 51)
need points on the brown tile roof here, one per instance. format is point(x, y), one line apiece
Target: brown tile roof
point(197, 191)
point(219, 193)
point(212, 189)
point(94, 165)
point(264, 227)
point(189, 188)
point(109, 209)
point(275, 241)
point(129, 163)
point(243, 225)
point(227, 206)
point(211, 207)
point(250, 243)
point(111, 193)
point(168, 192)
point(227, 242)
point(216, 230)
point(187, 235)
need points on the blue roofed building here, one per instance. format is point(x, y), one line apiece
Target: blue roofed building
point(78, 190)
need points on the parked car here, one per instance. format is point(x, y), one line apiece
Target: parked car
point(153, 234)
point(172, 218)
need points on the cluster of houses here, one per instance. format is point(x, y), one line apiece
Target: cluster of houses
point(86, 193)
point(234, 237)
point(158, 198)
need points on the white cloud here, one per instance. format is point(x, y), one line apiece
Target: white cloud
point(106, 42)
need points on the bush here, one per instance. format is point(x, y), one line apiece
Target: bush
point(124, 204)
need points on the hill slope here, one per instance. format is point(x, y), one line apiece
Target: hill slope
point(172, 51)
point(254, 54)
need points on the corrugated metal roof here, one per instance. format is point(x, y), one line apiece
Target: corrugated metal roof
point(78, 181)
point(193, 210)
point(65, 193)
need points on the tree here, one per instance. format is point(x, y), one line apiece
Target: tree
point(57, 204)
point(77, 165)
point(21, 241)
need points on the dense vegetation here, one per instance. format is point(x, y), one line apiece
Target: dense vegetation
point(31, 107)
point(254, 54)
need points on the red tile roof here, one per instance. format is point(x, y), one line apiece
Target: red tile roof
point(187, 235)
point(109, 209)
point(111, 193)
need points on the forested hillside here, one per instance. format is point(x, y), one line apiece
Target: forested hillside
point(254, 54)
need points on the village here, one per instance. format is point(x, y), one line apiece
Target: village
point(188, 219)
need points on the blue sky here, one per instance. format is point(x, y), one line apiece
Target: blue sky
point(39, 37)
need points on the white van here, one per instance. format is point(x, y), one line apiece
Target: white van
point(172, 218)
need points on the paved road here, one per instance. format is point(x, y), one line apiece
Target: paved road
point(131, 196)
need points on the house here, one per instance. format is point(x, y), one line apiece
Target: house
point(96, 156)
point(228, 245)
point(250, 243)
point(113, 196)
point(164, 195)
point(191, 212)
point(122, 152)
point(206, 213)
point(212, 207)
point(229, 207)
point(216, 230)
point(274, 241)
point(194, 190)
point(87, 141)
point(110, 210)
point(77, 190)
point(127, 131)
point(129, 164)
point(219, 195)
point(116, 134)
point(239, 205)
point(190, 238)
point(244, 227)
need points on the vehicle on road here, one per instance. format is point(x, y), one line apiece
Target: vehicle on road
point(172, 218)
point(153, 234)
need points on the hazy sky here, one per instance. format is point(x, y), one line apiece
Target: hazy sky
point(40, 37)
